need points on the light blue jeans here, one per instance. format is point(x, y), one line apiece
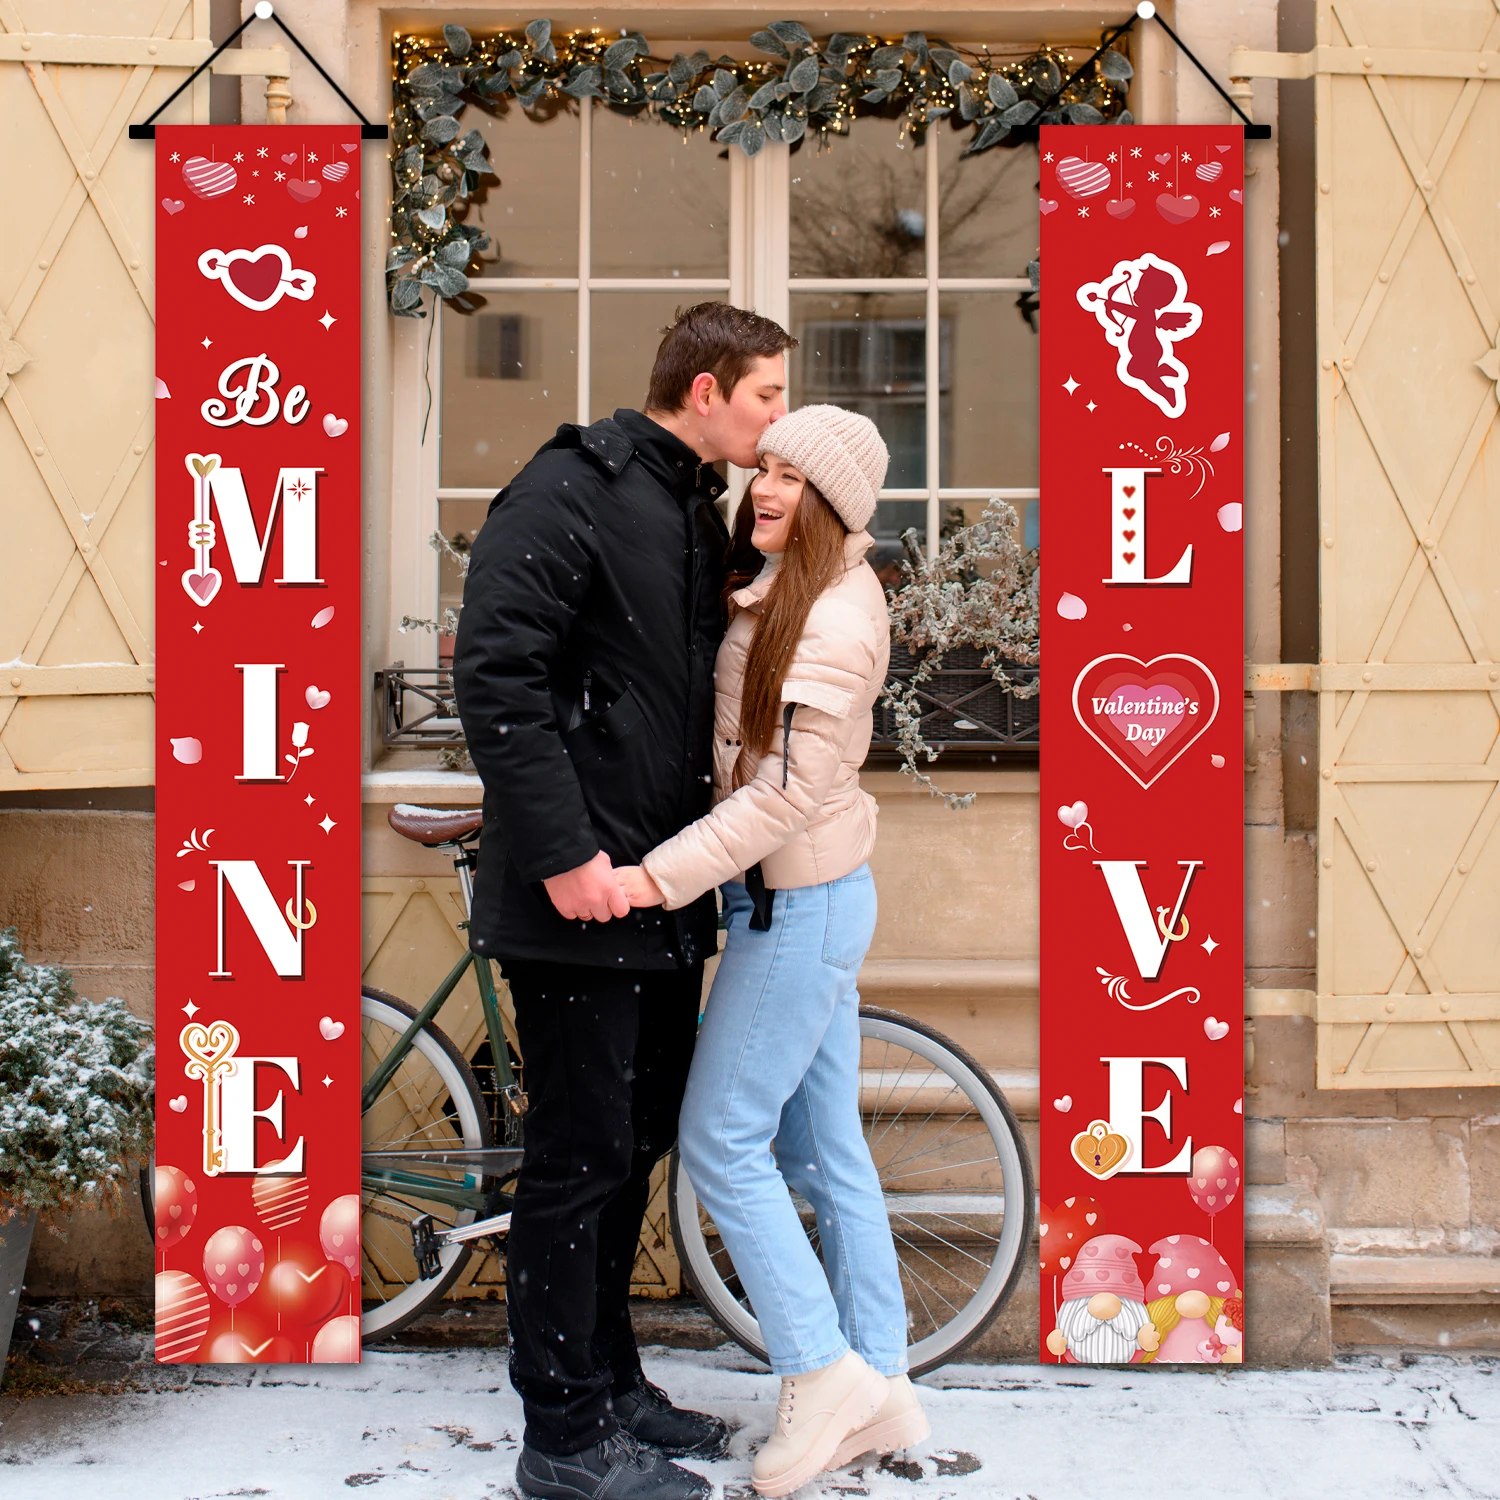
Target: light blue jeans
point(777, 1068)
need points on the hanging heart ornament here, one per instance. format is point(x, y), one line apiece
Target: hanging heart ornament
point(1082, 179)
point(208, 179)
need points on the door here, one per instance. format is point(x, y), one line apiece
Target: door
point(1408, 284)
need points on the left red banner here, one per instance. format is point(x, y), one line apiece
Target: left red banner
point(257, 744)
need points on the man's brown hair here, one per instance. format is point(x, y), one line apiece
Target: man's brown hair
point(715, 339)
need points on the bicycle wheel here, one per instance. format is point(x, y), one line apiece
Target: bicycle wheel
point(431, 1103)
point(957, 1183)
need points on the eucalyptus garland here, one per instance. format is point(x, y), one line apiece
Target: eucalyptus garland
point(804, 88)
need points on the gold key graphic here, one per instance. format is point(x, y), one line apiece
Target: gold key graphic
point(210, 1051)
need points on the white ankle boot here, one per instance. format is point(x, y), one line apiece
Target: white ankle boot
point(815, 1415)
point(900, 1423)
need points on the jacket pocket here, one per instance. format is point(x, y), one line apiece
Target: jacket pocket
point(602, 734)
point(851, 919)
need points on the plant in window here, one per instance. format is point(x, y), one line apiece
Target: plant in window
point(806, 88)
point(980, 589)
point(456, 550)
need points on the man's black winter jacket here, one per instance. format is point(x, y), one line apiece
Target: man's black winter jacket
point(584, 676)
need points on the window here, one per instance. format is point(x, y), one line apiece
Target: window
point(898, 267)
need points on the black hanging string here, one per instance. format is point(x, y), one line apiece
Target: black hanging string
point(1253, 132)
point(146, 130)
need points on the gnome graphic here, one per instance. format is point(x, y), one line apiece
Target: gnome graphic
point(1103, 1318)
point(1194, 1303)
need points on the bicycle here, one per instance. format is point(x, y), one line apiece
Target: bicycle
point(441, 1154)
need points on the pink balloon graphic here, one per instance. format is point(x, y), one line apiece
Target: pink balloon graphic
point(1214, 1180)
point(337, 1341)
point(338, 1232)
point(176, 1205)
point(234, 1260)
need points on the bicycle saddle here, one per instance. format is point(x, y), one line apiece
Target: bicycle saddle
point(433, 826)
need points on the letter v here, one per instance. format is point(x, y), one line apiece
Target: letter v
point(1148, 939)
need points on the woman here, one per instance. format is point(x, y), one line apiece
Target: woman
point(777, 1062)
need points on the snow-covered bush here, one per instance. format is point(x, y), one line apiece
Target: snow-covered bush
point(76, 1085)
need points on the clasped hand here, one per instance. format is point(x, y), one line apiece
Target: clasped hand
point(597, 891)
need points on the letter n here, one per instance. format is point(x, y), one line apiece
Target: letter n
point(280, 940)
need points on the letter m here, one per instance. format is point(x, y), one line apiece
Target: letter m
point(296, 496)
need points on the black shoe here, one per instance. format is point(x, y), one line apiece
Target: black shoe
point(647, 1414)
point(619, 1468)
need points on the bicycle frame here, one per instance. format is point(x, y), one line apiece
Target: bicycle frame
point(443, 1190)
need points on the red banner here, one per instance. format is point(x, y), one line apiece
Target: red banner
point(258, 744)
point(1142, 1254)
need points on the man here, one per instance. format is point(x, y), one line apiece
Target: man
point(584, 676)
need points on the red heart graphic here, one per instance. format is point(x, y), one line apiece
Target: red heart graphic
point(353, 146)
point(1221, 149)
point(304, 192)
point(1128, 556)
point(1127, 490)
point(1209, 171)
point(1164, 158)
point(1128, 535)
point(1128, 511)
point(1120, 208)
point(257, 278)
point(1083, 179)
point(1176, 210)
point(208, 179)
point(173, 205)
point(202, 586)
point(1145, 714)
point(290, 158)
point(336, 171)
point(1048, 205)
point(1237, 195)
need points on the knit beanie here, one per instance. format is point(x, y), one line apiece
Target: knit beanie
point(1104, 1264)
point(839, 451)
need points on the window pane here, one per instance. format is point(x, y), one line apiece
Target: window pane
point(856, 204)
point(990, 412)
point(988, 218)
point(628, 327)
point(459, 521)
point(867, 352)
point(660, 203)
point(510, 376)
point(532, 212)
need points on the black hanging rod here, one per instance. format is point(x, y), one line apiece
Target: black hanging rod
point(264, 11)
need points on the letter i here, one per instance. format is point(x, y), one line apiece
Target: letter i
point(259, 711)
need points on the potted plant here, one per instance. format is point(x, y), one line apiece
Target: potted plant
point(980, 590)
point(76, 1086)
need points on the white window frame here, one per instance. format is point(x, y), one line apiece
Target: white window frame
point(759, 278)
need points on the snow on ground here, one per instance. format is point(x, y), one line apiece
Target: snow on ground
point(444, 1426)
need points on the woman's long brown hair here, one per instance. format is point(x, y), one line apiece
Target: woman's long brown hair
point(812, 562)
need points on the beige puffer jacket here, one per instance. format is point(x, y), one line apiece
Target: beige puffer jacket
point(819, 826)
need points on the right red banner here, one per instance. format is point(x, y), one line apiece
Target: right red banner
point(1142, 424)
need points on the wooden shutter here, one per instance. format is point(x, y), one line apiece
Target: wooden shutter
point(76, 378)
point(1408, 285)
